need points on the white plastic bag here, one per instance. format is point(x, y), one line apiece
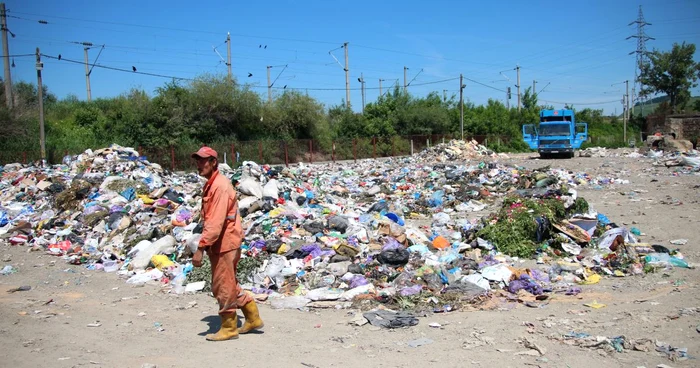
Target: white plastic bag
point(250, 187)
point(499, 273)
point(324, 293)
point(271, 189)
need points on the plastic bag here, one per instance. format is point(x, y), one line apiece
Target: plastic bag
point(324, 293)
point(290, 302)
point(338, 223)
point(411, 290)
point(691, 161)
point(164, 245)
point(250, 187)
point(664, 260)
point(499, 273)
point(275, 266)
point(271, 189)
point(436, 199)
point(161, 262)
point(394, 257)
point(441, 218)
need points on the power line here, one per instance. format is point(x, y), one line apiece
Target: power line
point(485, 85)
point(560, 50)
point(175, 29)
point(582, 103)
point(434, 82)
point(426, 56)
point(21, 55)
point(118, 69)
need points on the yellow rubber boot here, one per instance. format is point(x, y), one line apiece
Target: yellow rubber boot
point(252, 318)
point(228, 330)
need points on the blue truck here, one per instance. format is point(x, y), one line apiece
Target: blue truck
point(558, 133)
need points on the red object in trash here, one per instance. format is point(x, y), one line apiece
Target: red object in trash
point(63, 246)
point(19, 239)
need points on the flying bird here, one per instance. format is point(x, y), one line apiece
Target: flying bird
point(133, 68)
point(59, 56)
point(265, 47)
point(359, 80)
point(259, 46)
point(285, 87)
point(250, 75)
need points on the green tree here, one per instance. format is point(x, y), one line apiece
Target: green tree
point(529, 99)
point(673, 73)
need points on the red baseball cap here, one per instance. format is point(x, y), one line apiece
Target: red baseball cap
point(205, 152)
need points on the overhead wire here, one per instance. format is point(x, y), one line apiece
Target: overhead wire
point(485, 85)
point(581, 103)
point(117, 69)
point(150, 51)
point(174, 28)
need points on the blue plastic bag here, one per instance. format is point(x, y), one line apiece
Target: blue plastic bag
point(3, 218)
point(436, 199)
point(129, 194)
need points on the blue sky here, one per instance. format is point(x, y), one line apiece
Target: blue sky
point(576, 51)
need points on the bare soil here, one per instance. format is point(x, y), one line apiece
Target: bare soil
point(48, 326)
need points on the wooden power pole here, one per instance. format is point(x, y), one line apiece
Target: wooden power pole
point(40, 88)
point(6, 56)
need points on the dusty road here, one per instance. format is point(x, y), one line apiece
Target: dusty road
point(48, 326)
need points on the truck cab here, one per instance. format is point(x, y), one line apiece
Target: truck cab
point(557, 133)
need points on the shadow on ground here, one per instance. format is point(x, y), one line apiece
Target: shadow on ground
point(214, 324)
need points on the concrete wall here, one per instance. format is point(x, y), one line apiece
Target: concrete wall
point(684, 126)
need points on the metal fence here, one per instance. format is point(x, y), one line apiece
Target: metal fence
point(275, 152)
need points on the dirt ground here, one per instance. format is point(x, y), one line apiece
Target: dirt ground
point(48, 326)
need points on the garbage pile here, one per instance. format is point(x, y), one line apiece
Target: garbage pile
point(690, 160)
point(457, 150)
point(595, 152)
point(395, 233)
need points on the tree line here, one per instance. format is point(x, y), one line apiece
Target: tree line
point(212, 110)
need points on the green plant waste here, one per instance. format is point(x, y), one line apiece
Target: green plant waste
point(513, 229)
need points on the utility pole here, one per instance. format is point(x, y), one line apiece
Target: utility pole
point(269, 85)
point(362, 81)
point(228, 57)
point(517, 68)
point(405, 79)
point(534, 87)
point(42, 138)
point(6, 56)
point(627, 110)
point(461, 105)
point(641, 50)
point(347, 75)
point(87, 75)
point(380, 87)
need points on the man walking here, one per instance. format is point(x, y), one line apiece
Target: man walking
point(221, 239)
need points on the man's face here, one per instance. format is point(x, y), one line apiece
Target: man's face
point(205, 166)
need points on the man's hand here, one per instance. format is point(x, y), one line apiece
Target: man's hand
point(197, 258)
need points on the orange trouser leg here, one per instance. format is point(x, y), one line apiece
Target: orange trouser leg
point(224, 285)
